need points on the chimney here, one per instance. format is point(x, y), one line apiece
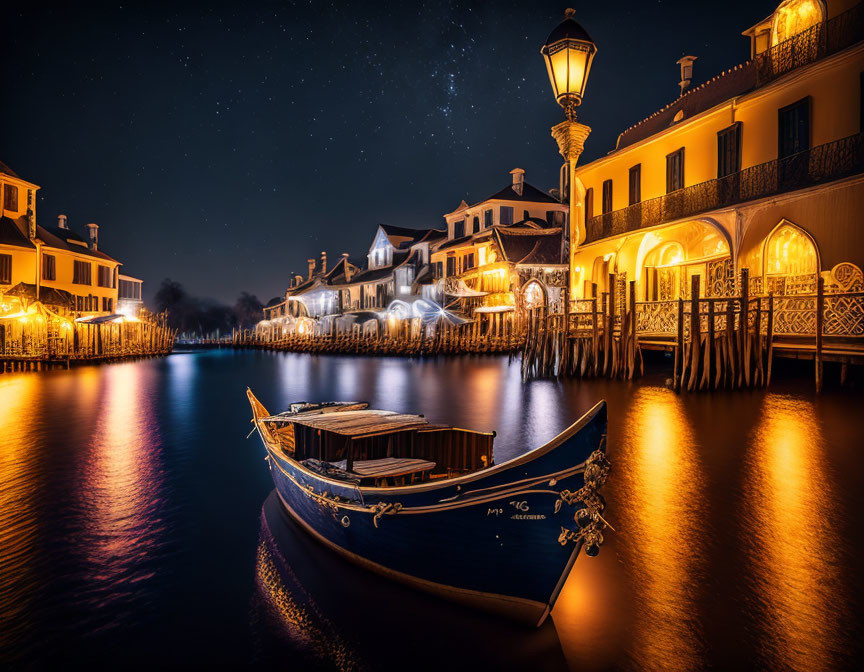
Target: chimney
point(347, 267)
point(323, 263)
point(94, 236)
point(518, 180)
point(686, 63)
point(311, 263)
point(61, 222)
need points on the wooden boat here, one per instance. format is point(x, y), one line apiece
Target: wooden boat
point(423, 503)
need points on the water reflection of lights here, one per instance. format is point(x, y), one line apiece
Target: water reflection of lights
point(298, 615)
point(660, 504)
point(789, 519)
point(121, 488)
point(19, 486)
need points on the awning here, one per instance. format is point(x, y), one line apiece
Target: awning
point(463, 291)
point(495, 309)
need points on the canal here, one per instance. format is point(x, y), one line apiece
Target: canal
point(137, 527)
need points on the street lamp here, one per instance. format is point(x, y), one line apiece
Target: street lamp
point(568, 54)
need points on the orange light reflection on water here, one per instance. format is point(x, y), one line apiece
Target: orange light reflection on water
point(789, 510)
point(19, 489)
point(120, 492)
point(657, 506)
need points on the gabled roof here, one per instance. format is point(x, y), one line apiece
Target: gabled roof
point(67, 239)
point(11, 234)
point(530, 194)
point(6, 170)
point(402, 237)
point(530, 246)
point(336, 275)
point(375, 274)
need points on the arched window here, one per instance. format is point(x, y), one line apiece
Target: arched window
point(533, 295)
point(793, 17)
point(790, 252)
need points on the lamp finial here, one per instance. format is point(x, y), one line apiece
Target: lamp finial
point(569, 13)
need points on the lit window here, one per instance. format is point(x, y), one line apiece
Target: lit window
point(793, 17)
point(790, 251)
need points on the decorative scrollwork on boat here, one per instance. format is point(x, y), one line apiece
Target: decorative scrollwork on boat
point(588, 517)
point(384, 509)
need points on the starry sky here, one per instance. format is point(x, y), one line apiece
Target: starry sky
point(222, 145)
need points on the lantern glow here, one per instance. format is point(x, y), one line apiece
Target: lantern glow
point(568, 54)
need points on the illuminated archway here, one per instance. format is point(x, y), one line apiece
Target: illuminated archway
point(790, 260)
point(789, 250)
point(534, 295)
point(793, 17)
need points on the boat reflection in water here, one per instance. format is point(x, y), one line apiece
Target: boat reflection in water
point(339, 616)
point(796, 559)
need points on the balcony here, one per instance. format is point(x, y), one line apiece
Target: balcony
point(825, 163)
point(809, 46)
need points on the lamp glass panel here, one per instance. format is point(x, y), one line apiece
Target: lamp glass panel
point(577, 58)
point(559, 64)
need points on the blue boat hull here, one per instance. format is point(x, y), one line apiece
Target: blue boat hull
point(503, 539)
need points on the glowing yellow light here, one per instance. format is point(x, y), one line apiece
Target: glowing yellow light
point(793, 17)
point(790, 252)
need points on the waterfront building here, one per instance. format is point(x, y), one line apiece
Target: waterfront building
point(758, 168)
point(51, 263)
point(494, 264)
point(130, 299)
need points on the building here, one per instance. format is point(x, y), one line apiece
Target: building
point(129, 295)
point(758, 168)
point(52, 263)
point(491, 264)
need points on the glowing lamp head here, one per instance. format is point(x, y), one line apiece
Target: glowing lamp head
point(568, 53)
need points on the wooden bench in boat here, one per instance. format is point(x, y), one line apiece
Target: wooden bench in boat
point(397, 468)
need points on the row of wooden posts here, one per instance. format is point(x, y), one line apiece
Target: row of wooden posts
point(50, 342)
point(716, 342)
point(447, 340)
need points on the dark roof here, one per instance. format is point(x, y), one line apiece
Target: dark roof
point(275, 301)
point(568, 29)
point(11, 234)
point(530, 246)
point(47, 295)
point(401, 237)
point(336, 275)
point(67, 239)
point(6, 170)
point(734, 82)
point(456, 242)
point(529, 193)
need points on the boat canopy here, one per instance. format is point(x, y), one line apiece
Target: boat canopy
point(360, 423)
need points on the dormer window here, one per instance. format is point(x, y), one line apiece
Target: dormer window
point(10, 197)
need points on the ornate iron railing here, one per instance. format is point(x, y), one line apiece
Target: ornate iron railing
point(817, 42)
point(824, 163)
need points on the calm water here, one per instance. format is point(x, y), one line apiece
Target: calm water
point(137, 527)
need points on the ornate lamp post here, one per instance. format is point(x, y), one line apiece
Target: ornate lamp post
point(568, 53)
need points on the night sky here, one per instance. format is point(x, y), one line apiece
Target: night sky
point(223, 145)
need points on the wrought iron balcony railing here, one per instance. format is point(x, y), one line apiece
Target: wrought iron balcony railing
point(825, 163)
point(808, 46)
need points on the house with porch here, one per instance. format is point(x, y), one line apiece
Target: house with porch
point(493, 268)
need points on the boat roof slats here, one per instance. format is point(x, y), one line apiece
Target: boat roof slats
point(360, 423)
